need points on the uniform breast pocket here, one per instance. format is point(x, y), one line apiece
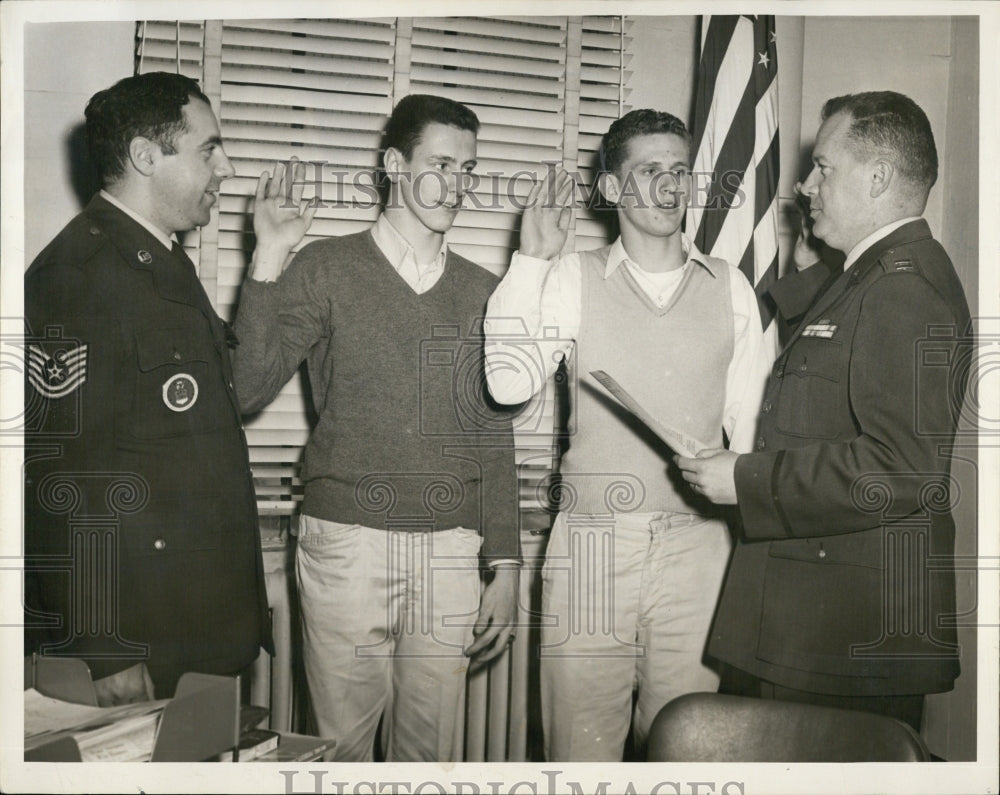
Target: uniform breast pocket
point(179, 389)
point(813, 401)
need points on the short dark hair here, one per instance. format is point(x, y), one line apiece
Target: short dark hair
point(148, 105)
point(413, 113)
point(614, 144)
point(893, 125)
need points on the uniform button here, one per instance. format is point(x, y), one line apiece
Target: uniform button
point(766, 407)
point(159, 544)
point(822, 553)
point(761, 444)
point(177, 355)
point(230, 385)
point(803, 366)
point(94, 230)
point(779, 370)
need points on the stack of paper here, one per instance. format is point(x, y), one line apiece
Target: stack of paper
point(103, 734)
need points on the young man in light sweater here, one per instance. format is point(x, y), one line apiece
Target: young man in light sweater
point(409, 472)
point(635, 559)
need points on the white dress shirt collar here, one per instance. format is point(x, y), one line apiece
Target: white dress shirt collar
point(153, 229)
point(617, 255)
point(399, 252)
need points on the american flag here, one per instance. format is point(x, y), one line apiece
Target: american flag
point(735, 138)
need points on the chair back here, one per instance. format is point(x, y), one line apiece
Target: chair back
point(711, 727)
point(65, 678)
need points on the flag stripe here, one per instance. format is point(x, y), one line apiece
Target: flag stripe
point(721, 67)
point(736, 134)
point(729, 161)
point(767, 180)
point(717, 33)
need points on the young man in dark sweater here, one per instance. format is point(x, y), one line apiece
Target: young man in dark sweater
point(409, 472)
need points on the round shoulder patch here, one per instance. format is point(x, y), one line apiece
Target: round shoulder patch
point(180, 392)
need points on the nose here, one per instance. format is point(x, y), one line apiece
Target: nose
point(666, 183)
point(811, 184)
point(224, 167)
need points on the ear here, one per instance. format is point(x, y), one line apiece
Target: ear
point(881, 176)
point(144, 155)
point(395, 163)
point(609, 186)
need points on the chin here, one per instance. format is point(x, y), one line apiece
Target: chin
point(440, 223)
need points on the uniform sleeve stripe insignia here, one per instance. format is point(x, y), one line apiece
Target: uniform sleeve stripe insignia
point(57, 375)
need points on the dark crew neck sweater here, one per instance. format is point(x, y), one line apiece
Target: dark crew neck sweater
point(407, 438)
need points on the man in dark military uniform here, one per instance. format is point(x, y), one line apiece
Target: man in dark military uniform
point(140, 517)
point(842, 582)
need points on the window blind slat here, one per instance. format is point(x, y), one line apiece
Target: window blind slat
point(540, 29)
point(376, 85)
point(459, 59)
point(279, 117)
point(375, 30)
point(340, 44)
point(330, 136)
point(278, 64)
point(530, 51)
point(485, 96)
point(322, 100)
point(511, 84)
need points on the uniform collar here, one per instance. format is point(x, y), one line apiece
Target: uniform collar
point(864, 244)
point(617, 256)
point(149, 226)
point(173, 277)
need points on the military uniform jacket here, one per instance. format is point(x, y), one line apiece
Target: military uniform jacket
point(140, 517)
point(843, 580)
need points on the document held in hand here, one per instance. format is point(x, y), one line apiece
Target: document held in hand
point(679, 442)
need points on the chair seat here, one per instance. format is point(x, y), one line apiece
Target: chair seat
point(710, 727)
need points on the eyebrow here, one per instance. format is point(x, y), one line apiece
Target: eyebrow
point(450, 159)
point(215, 140)
point(660, 164)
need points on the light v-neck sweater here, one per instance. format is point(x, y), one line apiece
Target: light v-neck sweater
point(673, 360)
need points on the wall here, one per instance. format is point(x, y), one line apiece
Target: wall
point(64, 65)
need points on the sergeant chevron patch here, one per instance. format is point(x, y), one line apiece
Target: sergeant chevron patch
point(56, 376)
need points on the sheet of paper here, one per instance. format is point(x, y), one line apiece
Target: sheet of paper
point(43, 714)
point(678, 441)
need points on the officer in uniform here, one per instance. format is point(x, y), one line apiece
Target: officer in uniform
point(841, 584)
point(141, 526)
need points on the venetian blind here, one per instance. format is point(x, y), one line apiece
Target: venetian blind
point(544, 89)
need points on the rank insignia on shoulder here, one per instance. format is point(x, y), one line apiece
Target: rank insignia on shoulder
point(903, 265)
point(180, 392)
point(822, 328)
point(57, 375)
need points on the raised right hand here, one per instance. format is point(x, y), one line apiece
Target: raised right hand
point(281, 218)
point(548, 215)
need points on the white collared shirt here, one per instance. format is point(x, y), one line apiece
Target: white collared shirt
point(153, 229)
point(864, 244)
point(544, 299)
point(399, 252)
